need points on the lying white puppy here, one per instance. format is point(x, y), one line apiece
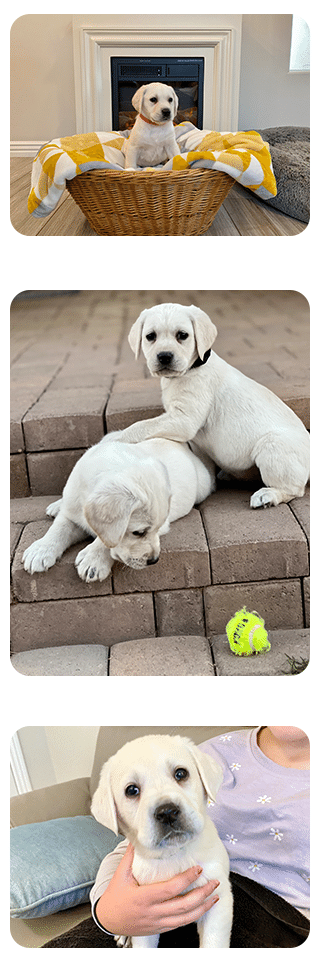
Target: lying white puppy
point(239, 423)
point(154, 791)
point(152, 138)
point(125, 496)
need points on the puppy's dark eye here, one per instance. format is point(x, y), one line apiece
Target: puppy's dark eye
point(139, 533)
point(153, 100)
point(151, 336)
point(170, 99)
point(132, 790)
point(182, 335)
point(181, 774)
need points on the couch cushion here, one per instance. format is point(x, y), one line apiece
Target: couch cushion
point(54, 864)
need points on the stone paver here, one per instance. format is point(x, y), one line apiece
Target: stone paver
point(162, 657)
point(279, 602)
point(49, 471)
point(180, 611)
point(80, 660)
point(66, 418)
point(247, 545)
point(83, 620)
point(294, 643)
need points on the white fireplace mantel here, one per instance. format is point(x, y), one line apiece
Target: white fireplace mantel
point(94, 45)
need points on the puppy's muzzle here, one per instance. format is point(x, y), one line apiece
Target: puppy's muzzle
point(167, 814)
point(151, 560)
point(164, 358)
point(166, 113)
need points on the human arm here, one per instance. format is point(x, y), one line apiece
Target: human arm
point(125, 908)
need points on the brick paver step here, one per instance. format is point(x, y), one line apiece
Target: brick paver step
point(217, 559)
point(167, 656)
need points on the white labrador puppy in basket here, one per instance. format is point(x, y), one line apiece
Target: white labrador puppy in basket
point(235, 420)
point(155, 791)
point(152, 138)
point(125, 497)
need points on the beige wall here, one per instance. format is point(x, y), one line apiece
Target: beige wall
point(269, 95)
point(42, 79)
point(42, 83)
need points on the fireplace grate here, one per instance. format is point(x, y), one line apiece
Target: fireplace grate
point(184, 74)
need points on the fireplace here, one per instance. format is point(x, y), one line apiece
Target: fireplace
point(184, 74)
point(113, 55)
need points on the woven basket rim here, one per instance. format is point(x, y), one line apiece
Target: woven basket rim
point(152, 174)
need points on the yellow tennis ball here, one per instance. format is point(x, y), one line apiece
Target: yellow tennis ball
point(246, 634)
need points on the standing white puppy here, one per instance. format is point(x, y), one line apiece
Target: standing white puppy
point(152, 138)
point(237, 422)
point(154, 791)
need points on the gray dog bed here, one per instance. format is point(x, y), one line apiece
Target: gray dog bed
point(290, 152)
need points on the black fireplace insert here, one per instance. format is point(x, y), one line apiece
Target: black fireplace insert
point(184, 74)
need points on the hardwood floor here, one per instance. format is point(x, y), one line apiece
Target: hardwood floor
point(241, 215)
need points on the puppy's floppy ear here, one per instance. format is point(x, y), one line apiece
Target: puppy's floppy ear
point(210, 772)
point(135, 335)
point(175, 100)
point(109, 512)
point(103, 806)
point(204, 330)
point(138, 97)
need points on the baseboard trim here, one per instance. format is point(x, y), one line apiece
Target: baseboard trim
point(25, 148)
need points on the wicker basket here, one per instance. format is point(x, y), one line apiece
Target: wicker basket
point(150, 203)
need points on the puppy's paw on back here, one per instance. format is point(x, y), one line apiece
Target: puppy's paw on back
point(263, 498)
point(53, 508)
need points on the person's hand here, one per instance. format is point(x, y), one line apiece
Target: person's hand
point(132, 910)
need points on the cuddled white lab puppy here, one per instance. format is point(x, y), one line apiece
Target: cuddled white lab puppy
point(152, 138)
point(126, 497)
point(236, 421)
point(155, 792)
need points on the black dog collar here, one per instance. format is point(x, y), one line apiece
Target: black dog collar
point(199, 362)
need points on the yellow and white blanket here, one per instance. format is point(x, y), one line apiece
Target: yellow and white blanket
point(244, 156)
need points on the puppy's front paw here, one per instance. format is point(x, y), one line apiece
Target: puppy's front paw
point(38, 557)
point(92, 564)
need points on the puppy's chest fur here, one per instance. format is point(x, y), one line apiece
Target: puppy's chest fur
point(156, 870)
point(150, 141)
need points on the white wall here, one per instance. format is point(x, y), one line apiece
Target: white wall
point(57, 754)
point(42, 78)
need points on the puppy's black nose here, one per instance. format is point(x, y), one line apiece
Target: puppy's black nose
point(166, 113)
point(164, 358)
point(167, 813)
point(152, 560)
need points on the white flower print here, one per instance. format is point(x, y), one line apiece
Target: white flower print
point(231, 838)
point(255, 866)
point(210, 803)
point(264, 799)
point(235, 766)
point(275, 834)
point(225, 737)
